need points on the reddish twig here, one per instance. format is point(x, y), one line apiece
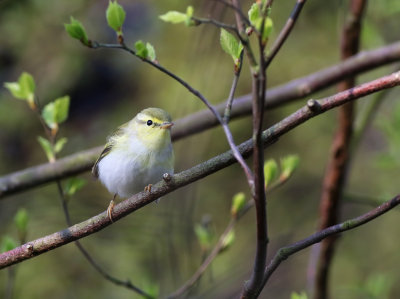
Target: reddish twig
point(97, 223)
point(336, 171)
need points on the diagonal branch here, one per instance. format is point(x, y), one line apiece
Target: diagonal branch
point(202, 120)
point(97, 223)
point(285, 252)
point(284, 34)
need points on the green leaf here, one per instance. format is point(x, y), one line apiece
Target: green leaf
point(76, 30)
point(24, 89)
point(301, 295)
point(254, 13)
point(228, 240)
point(73, 185)
point(60, 144)
point(268, 26)
point(204, 236)
point(189, 14)
point(151, 52)
point(8, 244)
point(115, 15)
point(189, 11)
point(288, 165)
point(230, 45)
point(141, 49)
point(270, 171)
point(56, 112)
point(256, 19)
point(21, 220)
point(48, 149)
point(238, 202)
point(174, 17)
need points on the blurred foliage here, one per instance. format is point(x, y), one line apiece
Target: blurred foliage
point(156, 247)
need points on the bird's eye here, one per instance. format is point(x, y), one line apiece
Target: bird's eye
point(149, 122)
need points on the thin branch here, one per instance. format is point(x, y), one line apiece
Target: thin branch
point(336, 171)
point(97, 223)
point(237, 10)
point(285, 252)
point(127, 284)
point(216, 23)
point(231, 97)
point(259, 82)
point(202, 120)
point(285, 32)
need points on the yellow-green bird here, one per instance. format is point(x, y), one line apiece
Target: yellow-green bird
point(137, 155)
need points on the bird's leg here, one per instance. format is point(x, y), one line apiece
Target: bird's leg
point(110, 208)
point(148, 188)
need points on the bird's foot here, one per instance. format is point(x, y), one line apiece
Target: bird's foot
point(110, 210)
point(148, 188)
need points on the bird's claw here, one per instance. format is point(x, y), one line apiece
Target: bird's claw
point(110, 210)
point(148, 188)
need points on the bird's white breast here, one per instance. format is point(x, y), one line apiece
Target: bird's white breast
point(127, 170)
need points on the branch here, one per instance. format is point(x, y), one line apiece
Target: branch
point(336, 172)
point(285, 252)
point(202, 120)
point(283, 35)
point(97, 223)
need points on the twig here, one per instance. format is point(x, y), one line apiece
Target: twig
point(336, 172)
point(96, 223)
point(285, 32)
point(216, 23)
point(285, 252)
point(231, 97)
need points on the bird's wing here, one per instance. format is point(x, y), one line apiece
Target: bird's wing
point(107, 149)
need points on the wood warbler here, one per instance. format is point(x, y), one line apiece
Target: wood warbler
point(137, 155)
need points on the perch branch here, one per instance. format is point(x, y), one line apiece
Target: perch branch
point(202, 120)
point(97, 223)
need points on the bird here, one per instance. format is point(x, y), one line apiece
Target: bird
point(137, 155)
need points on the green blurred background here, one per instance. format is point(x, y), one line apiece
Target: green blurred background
point(156, 247)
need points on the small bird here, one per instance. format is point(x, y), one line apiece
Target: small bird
point(137, 155)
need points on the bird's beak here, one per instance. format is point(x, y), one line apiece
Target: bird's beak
point(166, 125)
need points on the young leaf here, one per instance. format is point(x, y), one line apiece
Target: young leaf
point(115, 15)
point(268, 26)
point(189, 13)
point(228, 240)
point(204, 236)
point(174, 17)
point(76, 30)
point(60, 144)
point(230, 45)
point(141, 49)
point(288, 165)
point(21, 220)
point(8, 244)
point(46, 146)
point(301, 295)
point(151, 52)
point(56, 112)
point(238, 202)
point(73, 185)
point(270, 171)
point(254, 13)
point(24, 89)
